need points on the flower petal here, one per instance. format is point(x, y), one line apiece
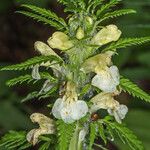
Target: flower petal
point(106, 35)
point(122, 111)
point(35, 72)
point(106, 79)
point(60, 40)
point(79, 109)
point(104, 83)
point(66, 115)
point(115, 74)
point(56, 110)
point(44, 49)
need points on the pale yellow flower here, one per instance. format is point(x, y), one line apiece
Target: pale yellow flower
point(106, 35)
point(44, 49)
point(46, 126)
point(100, 60)
point(60, 40)
point(107, 101)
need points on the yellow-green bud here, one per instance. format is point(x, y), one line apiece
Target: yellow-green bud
point(89, 20)
point(80, 33)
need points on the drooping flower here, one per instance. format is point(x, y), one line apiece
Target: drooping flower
point(60, 40)
point(69, 108)
point(106, 35)
point(46, 126)
point(45, 50)
point(106, 101)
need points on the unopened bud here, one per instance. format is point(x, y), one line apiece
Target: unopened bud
point(80, 33)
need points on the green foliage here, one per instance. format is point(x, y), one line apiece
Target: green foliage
point(14, 140)
point(31, 62)
point(45, 16)
point(28, 78)
point(102, 132)
point(125, 135)
point(125, 42)
point(93, 134)
point(65, 133)
point(117, 13)
point(73, 6)
point(106, 7)
point(133, 89)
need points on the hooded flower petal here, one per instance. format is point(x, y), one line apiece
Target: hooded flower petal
point(44, 49)
point(103, 101)
point(106, 79)
point(79, 109)
point(103, 59)
point(108, 34)
point(46, 126)
point(60, 40)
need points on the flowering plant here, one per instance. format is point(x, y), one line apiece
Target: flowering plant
point(83, 76)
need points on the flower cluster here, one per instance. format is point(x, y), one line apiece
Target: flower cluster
point(106, 78)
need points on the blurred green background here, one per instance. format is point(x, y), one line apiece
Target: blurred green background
point(17, 36)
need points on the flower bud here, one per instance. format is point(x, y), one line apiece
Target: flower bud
point(60, 40)
point(80, 33)
point(108, 34)
point(89, 20)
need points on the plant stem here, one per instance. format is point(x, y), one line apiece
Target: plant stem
point(74, 141)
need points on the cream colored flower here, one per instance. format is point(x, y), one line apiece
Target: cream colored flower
point(106, 101)
point(60, 40)
point(69, 108)
point(100, 60)
point(44, 49)
point(46, 126)
point(107, 79)
point(106, 35)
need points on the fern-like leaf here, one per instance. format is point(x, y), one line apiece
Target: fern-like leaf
point(133, 89)
point(65, 133)
point(106, 7)
point(14, 140)
point(123, 43)
point(117, 13)
point(93, 134)
point(31, 62)
point(45, 13)
point(125, 134)
point(44, 20)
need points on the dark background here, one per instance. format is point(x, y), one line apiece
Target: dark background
point(17, 36)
